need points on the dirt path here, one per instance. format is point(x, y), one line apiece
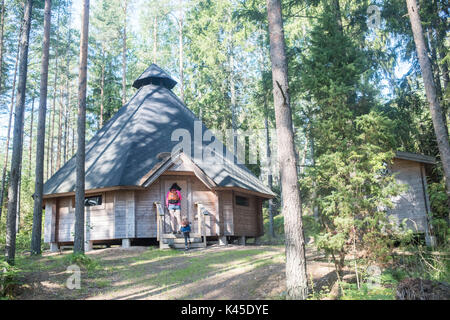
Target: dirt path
point(231, 272)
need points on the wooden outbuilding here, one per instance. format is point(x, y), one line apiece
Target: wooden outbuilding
point(133, 160)
point(413, 204)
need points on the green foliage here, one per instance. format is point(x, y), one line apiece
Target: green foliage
point(354, 145)
point(365, 292)
point(8, 279)
point(82, 260)
point(417, 262)
point(310, 228)
point(440, 212)
point(106, 66)
point(354, 191)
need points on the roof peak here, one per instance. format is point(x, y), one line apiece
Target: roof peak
point(154, 75)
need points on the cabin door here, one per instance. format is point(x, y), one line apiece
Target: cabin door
point(184, 196)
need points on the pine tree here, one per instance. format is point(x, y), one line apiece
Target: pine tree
point(296, 276)
point(81, 129)
point(16, 158)
point(40, 150)
point(430, 89)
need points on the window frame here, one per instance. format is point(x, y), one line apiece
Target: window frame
point(97, 207)
point(246, 200)
point(98, 196)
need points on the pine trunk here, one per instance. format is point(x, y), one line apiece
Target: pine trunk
point(67, 106)
point(2, 27)
point(66, 122)
point(296, 276)
point(59, 138)
point(8, 138)
point(269, 168)
point(73, 139)
point(40, 141)
point(430, 90)
point(52, 126)
point(181, 51)
point(124, 56)
point(16, 158)
point(155, 38)
point(102, 89)
point(47, 170)
point(81, 127)
point(233, 107)
point(30, 150)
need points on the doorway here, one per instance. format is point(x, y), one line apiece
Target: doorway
point(168, 219)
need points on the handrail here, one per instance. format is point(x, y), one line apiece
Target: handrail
point(159, 221)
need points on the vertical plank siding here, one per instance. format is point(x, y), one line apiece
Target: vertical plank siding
point(49, 221)
point(65, 219)
point(128, 214)
point(101, 219)
point(200, 193)
point(412, 203)
point(227, 212)
point(246, 217)
point(146, 211)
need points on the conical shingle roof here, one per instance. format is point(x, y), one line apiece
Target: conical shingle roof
point(127, 148)
point(154, 75)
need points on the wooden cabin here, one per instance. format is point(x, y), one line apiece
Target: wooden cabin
point(130, 165)
point(413, 204)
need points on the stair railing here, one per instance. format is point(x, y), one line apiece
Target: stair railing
point(159, 222)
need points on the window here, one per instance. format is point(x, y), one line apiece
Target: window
point(93, 201)
point(241, 201)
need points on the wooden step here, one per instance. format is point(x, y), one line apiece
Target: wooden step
point(181, 240)
point(179, 236)
point(191, 246)
point(192, 240)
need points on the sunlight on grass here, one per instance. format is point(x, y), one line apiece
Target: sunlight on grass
point(366, 292)
point(152, 272)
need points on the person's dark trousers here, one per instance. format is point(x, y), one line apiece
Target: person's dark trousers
point(186, 239)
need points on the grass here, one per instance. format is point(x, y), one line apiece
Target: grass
point(193, 267)
point(153, 270)
point(367, 292)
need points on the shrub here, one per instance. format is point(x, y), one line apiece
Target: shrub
point(82, 260)
point(8, 279)
point(440, 211)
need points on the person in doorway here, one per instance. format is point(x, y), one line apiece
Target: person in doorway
point(186, 229)
point(173, 204)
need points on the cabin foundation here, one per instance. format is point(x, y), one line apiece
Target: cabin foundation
point(88, 246)
point(54, 247)
point(223, 241)
point(126, 243)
